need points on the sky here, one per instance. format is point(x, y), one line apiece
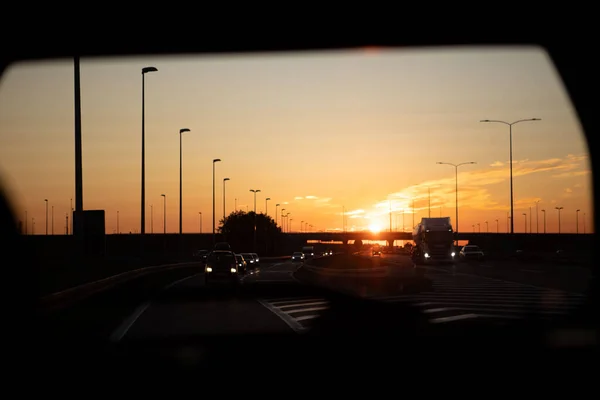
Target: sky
point(320, 133)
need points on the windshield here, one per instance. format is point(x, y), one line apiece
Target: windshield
point(151, 158)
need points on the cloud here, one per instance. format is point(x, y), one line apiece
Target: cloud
point(572, 174)
point(355, 212)
point(298, 198)
point(311, 197)
point(473, 183)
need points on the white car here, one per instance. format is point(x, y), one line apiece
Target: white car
point(470, 252)
point(298, 256)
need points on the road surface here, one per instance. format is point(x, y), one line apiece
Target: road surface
point(187, 308)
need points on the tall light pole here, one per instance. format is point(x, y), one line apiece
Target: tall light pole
point(266, 204)
point(584, 223)
point(200, 214)
point(525, 227)
point(118, 231)
point(151, 218)
point(216, 160)
point(77, 226)
point(181, 131)
point(164, 213)
point(530, 220)
point(276, 208)
point(53, 219)
point(456, 184)
point(537, 222)
point(510, 124)
point(224, 213)
point(577, 221)
point(145, 70)
point(497, 227)
point(429, 196)
point(46, 200)
point(282, 226)
point(254, 241)
point(544, 212)
point(559, 208)
point(487, 227)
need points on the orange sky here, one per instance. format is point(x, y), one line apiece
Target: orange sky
point(316, 132)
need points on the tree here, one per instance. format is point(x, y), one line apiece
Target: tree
point(238, 229)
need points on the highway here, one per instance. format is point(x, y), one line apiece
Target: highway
point(142, 318)
point(187, 308)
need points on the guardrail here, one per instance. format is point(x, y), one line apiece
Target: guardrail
point(80, 292)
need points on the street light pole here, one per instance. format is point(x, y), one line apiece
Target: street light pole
point(510, 124)
point(537, 222)
point(254, 241)
point(164, 213)
point(53, 219)
point(559, 208)
point(456, 185)
point(216, 160)
point(224, 180)
point(577, 221)
point(46, 200)
point(145, 70)
point(180, 181)
point(544, 212)
point(525, 227)
point(497, 227)
point(267, 204)
point(200, 213)
point(276, 209)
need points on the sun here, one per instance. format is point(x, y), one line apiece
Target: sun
point(375, 228)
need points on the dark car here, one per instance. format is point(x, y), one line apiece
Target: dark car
point(222, 246)
point(221, 267)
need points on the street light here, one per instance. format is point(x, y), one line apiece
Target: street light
point(537, 225)
point(559, 208)
point(164, 213)
point(487, 227)
point(224, 180)
point(53, 220)
point(525, 227)
point(216, 160)
point(456, 184)
point(46, 200)
point(200, 213)
point(254, 241)
point(510, 124)
point(497, 227)
point(180, 181)
point(276, 206)
point(544, 211)
point(145, 70)
point(577, 221)
point(266, 204)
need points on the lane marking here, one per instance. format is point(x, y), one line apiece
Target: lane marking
point(453, 318)
point(290, 321)
point(122, 330)
point(314, 303)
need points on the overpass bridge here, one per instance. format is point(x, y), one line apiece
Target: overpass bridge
point(484, 239)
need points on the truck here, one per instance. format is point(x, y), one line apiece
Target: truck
point(434, 241)
point(308, 251)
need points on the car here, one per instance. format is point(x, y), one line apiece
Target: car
point(298, 256)
point(470, 252)
point(242, 264)
point(221, 267)
point(250, 260)
point(222, 246)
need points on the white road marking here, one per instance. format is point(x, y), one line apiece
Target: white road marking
point(122, 330)
point(290, 321)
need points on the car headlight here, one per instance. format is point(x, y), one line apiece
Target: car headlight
point(208, 269)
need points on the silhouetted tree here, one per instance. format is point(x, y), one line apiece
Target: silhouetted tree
point(238, 229)
point(358, 244)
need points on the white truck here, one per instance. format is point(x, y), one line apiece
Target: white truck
point(434, 241)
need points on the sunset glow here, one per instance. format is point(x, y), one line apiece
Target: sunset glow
point(339, 140)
